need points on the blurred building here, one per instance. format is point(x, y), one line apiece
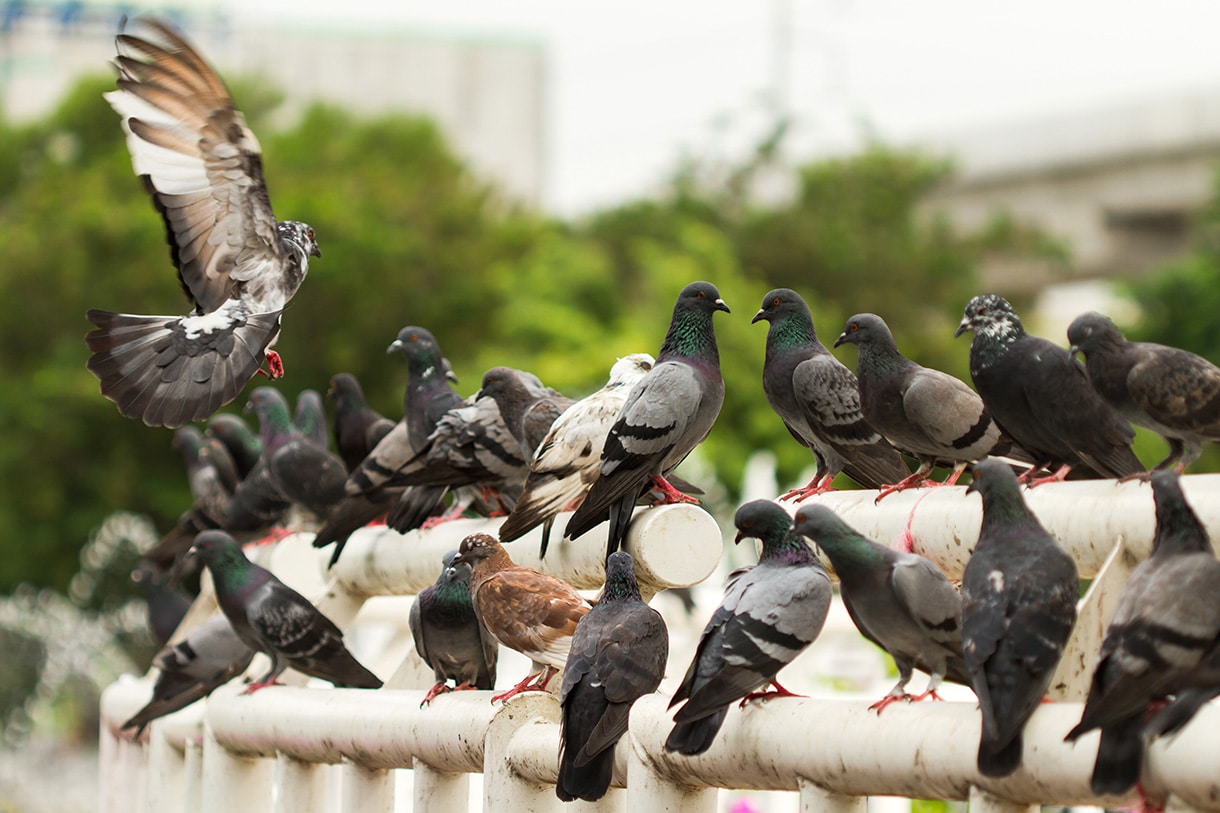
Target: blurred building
point(1121, 186)
point(486, 93)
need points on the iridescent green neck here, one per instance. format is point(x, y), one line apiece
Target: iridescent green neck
point(690, 336)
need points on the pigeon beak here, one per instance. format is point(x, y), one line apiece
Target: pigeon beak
point(842, 338)
point(1073, 351)
point(317, 252)
point(758, 317)
point(720, 306)
point(962, 328)
point(248, 408)
point(394, 347)
point(740, 536)
point(450, 375)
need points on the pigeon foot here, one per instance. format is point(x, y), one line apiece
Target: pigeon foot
point(815, 486)
point(778, 691)
point(260, 684)
point(441, 687)
point(916, 480)
point(1033, 482)
point(892, 697)
point(532, 683)
point(668, 494)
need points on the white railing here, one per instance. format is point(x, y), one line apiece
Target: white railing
point(272, 750)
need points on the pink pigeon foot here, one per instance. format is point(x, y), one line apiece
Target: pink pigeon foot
point(668, 494)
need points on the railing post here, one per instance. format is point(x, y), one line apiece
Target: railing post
point(165, 776)
point(816, 799)
point(233, 782)
point(649, 791)
point(503, 787)
point(300, 786)
point(192, 754)
point(435, 790)
point(366, 790)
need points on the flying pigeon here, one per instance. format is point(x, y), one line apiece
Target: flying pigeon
point(769, 614)
point(666, 415)
point(925, 413)
point(358, 428)
point(1173, 392)
point(309, 417)
point(237, 264)
point(1041, 398)
point(1019, 593)
point(428, 396)
point(448, 635)
point(899, 601)
point(618, 655)
point(301, 471)
point(1166, 620)
point(525, 610)
point(818, 399)
point(272, 618)
point(209, 656)
point(167, 603)
point(567, 461)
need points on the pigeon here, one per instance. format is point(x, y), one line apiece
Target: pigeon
point(209, 656)
point(448, 635)
point(167, 604)
point(618, 655)
point(300, 470)
point(528, 415)
point(666, 415)
point(309, 418)
point(769, 614)
point(818, 399)
point(237, 264)
point(566, 463)
point(242, 444)
point(1173, 392)
point(1019, 593)
point(358, 428)
point(925, 413)
point(428, 396)
point(272, 618)
point(1041, 398)
point(899, 601)
point(525, 610)
point(1166, 620)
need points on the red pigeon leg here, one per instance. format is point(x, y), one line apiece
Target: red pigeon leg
point(919, 477)
point(532, 683)
point(438, 689)
point(260, 684)
point(1057, 477)
point(668, 494)
point(815, 486)
point(778, 691)
point(454, 512)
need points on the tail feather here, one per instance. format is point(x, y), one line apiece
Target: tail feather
point(695, 737)
point(1120, 755)
point(168, 371)
point(997, 762)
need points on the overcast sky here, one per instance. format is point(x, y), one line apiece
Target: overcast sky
point(633, 83)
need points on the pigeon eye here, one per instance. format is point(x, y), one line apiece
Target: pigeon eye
point(775, 301)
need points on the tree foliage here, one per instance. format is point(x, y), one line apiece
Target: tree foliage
point(411, 236)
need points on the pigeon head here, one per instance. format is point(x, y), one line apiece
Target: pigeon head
point(620, 578)
point(300, 235)
point(272, 411)
point(767, 522)
point(816, 522)
point(217, 550)
point(1092, 331)
point(1177, 525)
point(866, 330)
point(499, 382)
point(992, 316)
point(454, 573)
point(344, 388)
point(188, 440)
point(475, 548)
point(992, 476)
point(779, 303)
point(422, 353)
point(629, 369)
point(701, 296)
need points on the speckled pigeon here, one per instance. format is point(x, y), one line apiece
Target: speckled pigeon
point(769, 614)
point(925, 413)
point(427, 396)
point(899, 601)
point(358, 428)
point(303, 472)
point(667, 414)
point(237, 264)
point(448, 635)
point(818, 399)
point(618, 655)
point(209, 656)
point(1173, 392)
point(1041, 398)
point(272, 618)
point(1166, 621)
point(1019, 593)
point(567, 461)
point(527, 611)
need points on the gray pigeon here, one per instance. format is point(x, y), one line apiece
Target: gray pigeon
point(358, 428)
point(528, 414)
point(241, 443)
point(272, 618)
point(899, 601)
point(301, 471)
point(1019, 593)
point(236, 263)
point(925, 413)
point(1173, 392)
point(309, 417)
point(428, 396)
point(667, 414)
point(818, 399)
point(167, 603)
point(209, 656)
point(769, 614)
point(1041, 398)
point(448, 635)
point(567, 461)
point(1167, 619)
point(618, 655)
